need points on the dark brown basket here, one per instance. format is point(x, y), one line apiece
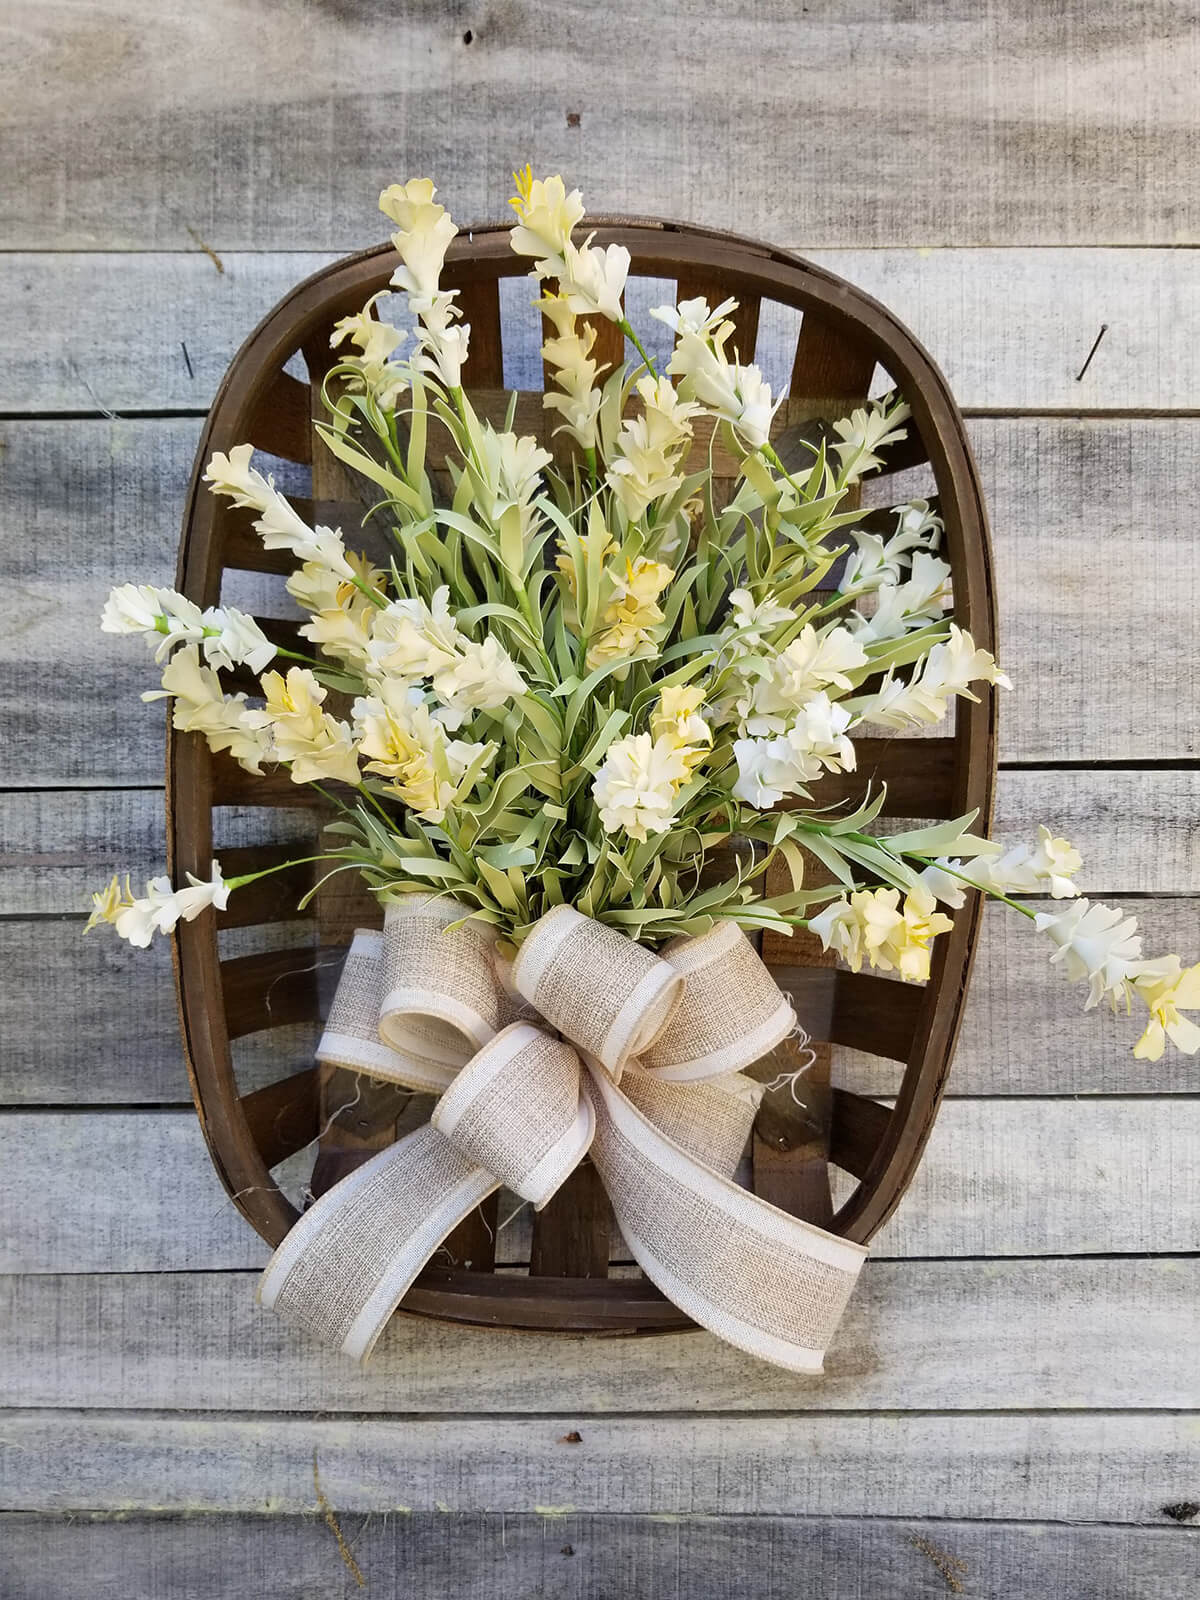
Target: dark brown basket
point(843, 336)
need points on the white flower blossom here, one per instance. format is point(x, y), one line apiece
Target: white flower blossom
point(1096, 944)
point(636, 786)
point(738, 394)
point(424, 232)
point(811, 662)
point(159, 909)
point(591, 279)
point(901, 607)
point(482, 678)
point(568, 356)
point(374, 371)
point(946, 671)
point(693, 316)
point(280, 527)
point(412, 640)
point(199, 705)
point(404, 743)
point(865, 432)
point(769, 769)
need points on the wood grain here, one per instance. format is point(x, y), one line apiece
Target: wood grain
point(134, 1191)
point(918, 1335)
point(504, 1556)
point(992, 126)
point(1008, 1464)
point(1093, 535)
point(1011, 328)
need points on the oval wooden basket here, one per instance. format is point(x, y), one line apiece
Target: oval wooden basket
point(843, 336)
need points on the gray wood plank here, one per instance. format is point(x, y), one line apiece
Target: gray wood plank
point(973, 1465)
point(986, 126)
point(1097, 573)
point(501, 1556)
point(133, 1191)
point(1011, 328)
point(918, 1335)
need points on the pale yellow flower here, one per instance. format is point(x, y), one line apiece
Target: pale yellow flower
point(279, 525)
point(676, 718)
point(568, 355)
point(1168, 988)
point(199, 705)
point(632, 612)
point(546, 214)
point(405, 744)
point(871, 926)
point(374, 371)
point(108, 903)
point(314, 744)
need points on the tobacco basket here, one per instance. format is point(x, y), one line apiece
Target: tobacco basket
point(841, 1159)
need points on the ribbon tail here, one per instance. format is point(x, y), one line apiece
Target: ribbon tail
point(758, 1278)
point(353, 1255)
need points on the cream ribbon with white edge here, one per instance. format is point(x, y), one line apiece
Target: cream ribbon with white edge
point(587, 1044)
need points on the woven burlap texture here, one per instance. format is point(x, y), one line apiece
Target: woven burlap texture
point(666, 1127)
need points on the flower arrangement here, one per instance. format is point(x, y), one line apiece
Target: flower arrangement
point(587, 678)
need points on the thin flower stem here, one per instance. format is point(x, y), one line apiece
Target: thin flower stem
point(282, 866)
point(626, 328)
point(970, 882)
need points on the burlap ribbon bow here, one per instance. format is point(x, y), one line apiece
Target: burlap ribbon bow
point(587, 1043)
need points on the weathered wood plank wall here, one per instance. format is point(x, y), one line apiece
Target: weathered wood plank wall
point(1012, 1407)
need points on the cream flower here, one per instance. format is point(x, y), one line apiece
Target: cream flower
point(278, 524)
point(315, 745)
point(632, 613)
point(201, 706)
point(138, 920)
point(568, 356)
point(590, 279)
point(677, 719)
point(636, 786)
point(1167, 988)
point(871, 925)
point(411, 639)
point(483, 678)
point(163, 616)
point(342, 614)
point(738, 394)
point(226, 636)
point(1097, 944)
point(693, 316)
point(769, 769)
point(507, 473)
point(232, 638)
point(406, 745)
point(810, 663)
point(424, 232)
point(864, 433)
point(108, 903)
point(922, 599)
point(649, 447)
point(374, 371)
point(924, 698)
point(546, 214)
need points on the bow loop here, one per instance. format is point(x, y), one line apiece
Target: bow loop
point(611, 997)
point(518, 1110)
